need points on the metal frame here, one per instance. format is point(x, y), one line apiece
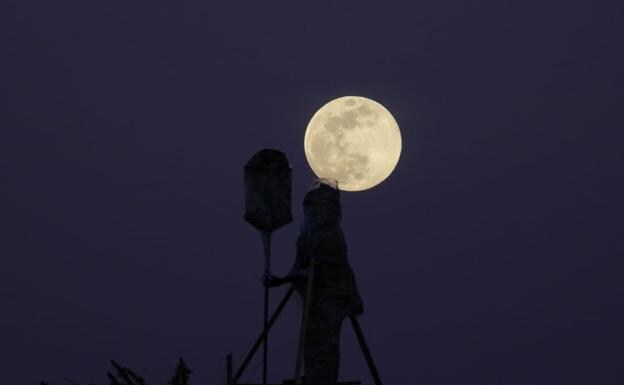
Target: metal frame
point(233, 378)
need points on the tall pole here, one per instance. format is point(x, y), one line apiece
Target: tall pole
point(266, 241)
point(304, 322)
point(260, 339)
point(229, 367)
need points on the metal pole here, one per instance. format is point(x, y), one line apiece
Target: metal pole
point(260, 339)
point(266, 241)
point(364, 346)
point(304, 322)
point(229, 366)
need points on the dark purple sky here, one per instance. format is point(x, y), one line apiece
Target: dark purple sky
point(492, 256)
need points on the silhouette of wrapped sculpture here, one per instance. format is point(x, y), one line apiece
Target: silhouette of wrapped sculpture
point(334, 291)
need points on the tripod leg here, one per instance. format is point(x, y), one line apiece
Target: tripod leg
point(260, 339)
point(304, 323)
point(364, 346)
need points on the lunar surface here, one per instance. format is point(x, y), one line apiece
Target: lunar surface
point(353, 140)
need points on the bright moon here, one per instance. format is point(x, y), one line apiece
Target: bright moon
point(353, 140)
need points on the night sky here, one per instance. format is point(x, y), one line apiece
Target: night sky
point(493, 255)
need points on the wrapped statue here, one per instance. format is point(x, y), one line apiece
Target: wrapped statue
point(334, 291)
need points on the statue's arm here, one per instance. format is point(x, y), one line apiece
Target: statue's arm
point(295, 275)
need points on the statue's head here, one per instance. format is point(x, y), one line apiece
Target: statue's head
point(321, 204)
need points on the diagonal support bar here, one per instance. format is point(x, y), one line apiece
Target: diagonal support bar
point(261, 338)
point(364, 346)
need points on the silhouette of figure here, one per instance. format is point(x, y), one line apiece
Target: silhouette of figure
point(334, 290)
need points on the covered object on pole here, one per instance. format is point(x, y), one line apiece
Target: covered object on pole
point(268, 181)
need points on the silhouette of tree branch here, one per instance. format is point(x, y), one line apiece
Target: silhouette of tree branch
point(128, 376)
point(125, 376)
point(181, 376)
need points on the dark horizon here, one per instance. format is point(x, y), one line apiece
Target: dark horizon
point(492, 255)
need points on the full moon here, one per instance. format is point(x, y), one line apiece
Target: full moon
point(353, 140)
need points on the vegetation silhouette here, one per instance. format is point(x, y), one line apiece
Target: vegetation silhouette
point(126, 376)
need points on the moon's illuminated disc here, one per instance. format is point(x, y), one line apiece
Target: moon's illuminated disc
point(353, 140)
